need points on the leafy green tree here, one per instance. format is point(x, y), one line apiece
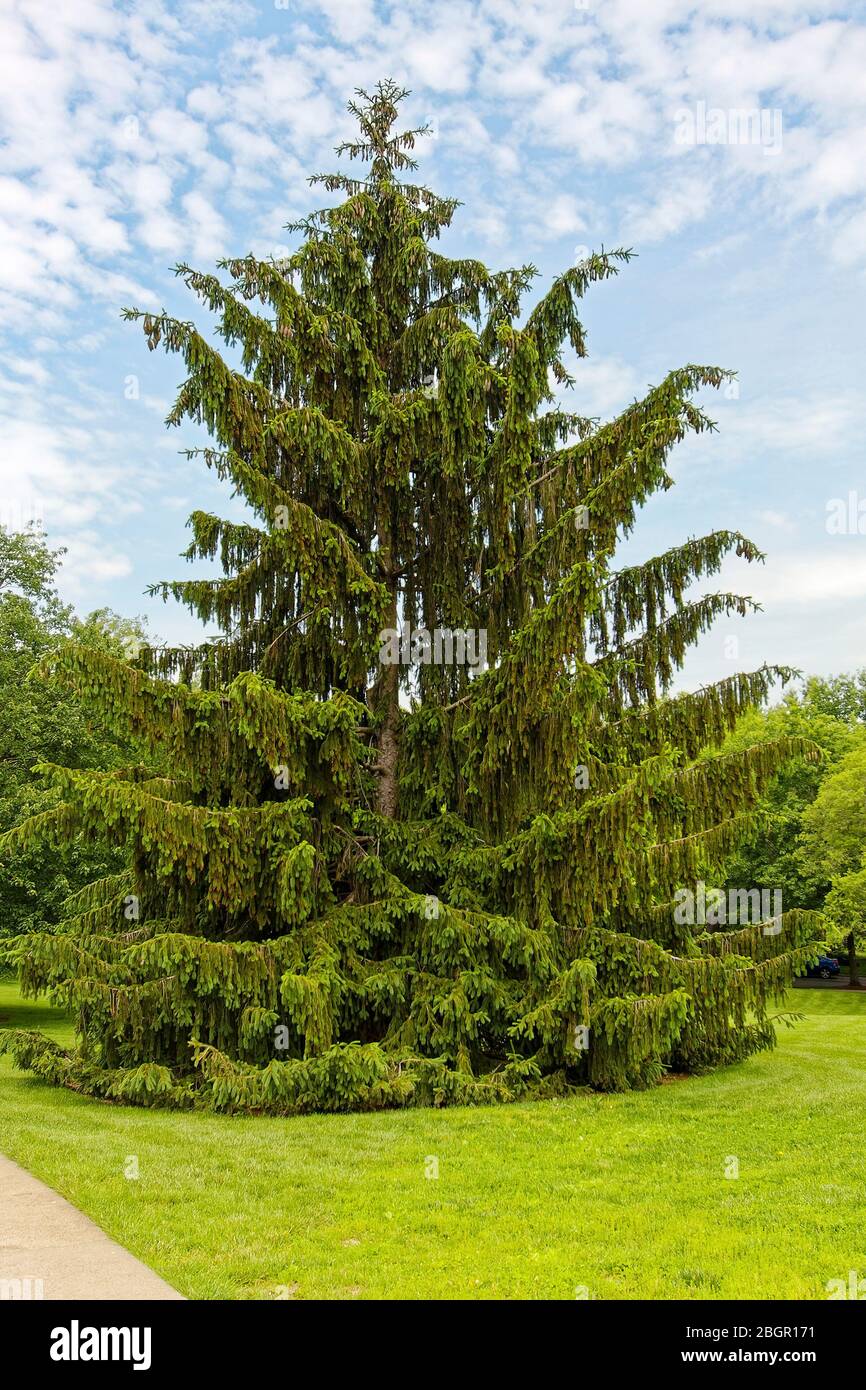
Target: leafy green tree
point(843, 697)
point(380, 869)
point(40, 723)
point(770, 856)
point(834, 839)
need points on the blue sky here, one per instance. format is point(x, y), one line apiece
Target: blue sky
point(133, 136)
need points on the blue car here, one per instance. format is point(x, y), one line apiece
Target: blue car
point(824, 968)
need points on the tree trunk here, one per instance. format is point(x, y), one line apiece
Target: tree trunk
point(387, 687)
point(853, 977)
point(388, 705)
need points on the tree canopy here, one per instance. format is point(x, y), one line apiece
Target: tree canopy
point(834, 841)
point(772, 853)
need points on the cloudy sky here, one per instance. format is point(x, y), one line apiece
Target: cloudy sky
point(137, 135)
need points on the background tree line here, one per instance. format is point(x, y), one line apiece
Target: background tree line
point(41, 724)
point(810, 838)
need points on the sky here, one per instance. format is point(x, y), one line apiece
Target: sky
point(724, 143)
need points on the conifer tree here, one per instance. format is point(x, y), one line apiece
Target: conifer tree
point(377, 873)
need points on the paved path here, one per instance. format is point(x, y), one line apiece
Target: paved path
point(43, 1237)
point(837, 982)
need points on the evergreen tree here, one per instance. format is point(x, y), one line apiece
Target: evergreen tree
point(372, 881)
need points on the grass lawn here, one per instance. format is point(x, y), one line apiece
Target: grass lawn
point(625, 1196)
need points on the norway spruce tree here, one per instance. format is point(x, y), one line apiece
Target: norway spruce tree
point(429, 802)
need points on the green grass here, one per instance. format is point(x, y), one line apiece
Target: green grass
point(623, 1195)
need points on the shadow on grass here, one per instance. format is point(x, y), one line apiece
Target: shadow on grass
point(36, 1015)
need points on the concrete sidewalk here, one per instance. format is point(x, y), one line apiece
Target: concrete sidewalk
point(49, 1249)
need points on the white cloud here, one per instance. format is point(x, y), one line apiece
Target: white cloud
point(604, 386)
point(779, 521)
point(89, 563)
point(348, 23)
point(206, 228)
point(682, 202)
point(819, 424)
point(806, 577)
point(562, 216)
